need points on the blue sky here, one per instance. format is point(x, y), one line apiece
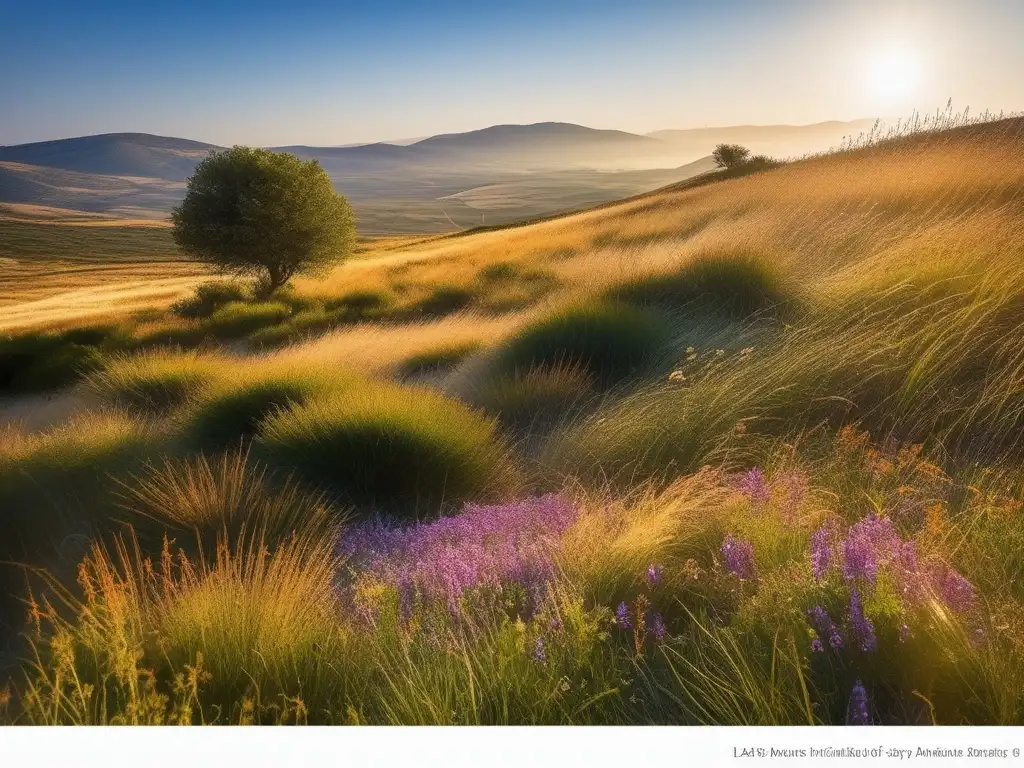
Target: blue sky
point(329, 73)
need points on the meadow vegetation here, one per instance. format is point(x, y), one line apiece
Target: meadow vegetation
point(744, 452)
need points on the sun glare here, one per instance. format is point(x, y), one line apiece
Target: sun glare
point(894, 73)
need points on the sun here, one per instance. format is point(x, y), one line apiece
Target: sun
point(894, 73)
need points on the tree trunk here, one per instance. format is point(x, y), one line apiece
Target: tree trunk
point(276, 278)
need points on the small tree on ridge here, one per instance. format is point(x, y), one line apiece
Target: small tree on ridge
point(730, 155)
point(265, 214)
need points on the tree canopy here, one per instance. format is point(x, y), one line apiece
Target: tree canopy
point(266, 214)
point(730, 155)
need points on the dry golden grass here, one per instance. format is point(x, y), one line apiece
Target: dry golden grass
point(950, 200)
point(378, 349)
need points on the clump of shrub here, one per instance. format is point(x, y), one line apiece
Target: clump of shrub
point(737, 284)
point(209, 297)
point(359, 304)
point(499, 271)
point(229, 494)
point(444, 300)
point(234, 413)
point(304, 324)
point(273, 336)
point(438, 358)
point(39, 361)
point(59, 481)
point(506, 287)
point(609, 340)
point(537, 397)
point(238, 318)
point(154, 382)
point(42, 360)
point(390, 447)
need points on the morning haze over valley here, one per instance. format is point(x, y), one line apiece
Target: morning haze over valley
point(670, 373)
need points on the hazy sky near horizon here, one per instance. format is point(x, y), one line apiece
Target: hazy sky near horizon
point(261, 73)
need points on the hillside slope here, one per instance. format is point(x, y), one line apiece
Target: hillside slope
point(763, 434)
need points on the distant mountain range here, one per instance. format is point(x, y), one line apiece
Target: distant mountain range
point(421, 186)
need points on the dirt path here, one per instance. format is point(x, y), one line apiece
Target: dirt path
point(37, 413)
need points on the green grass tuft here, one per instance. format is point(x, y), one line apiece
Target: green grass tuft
point(444, 300)
point(155, 382)
point(228, 494)
point(737, 284)
point(610, 341)
point(238, 319)
point(209, 297)
point(385, 446)
point(233, 413)
point(41, 361)
point(535, 399)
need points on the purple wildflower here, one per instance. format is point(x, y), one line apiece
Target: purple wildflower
point(622, 616)
point(656, 627)
point(755, 486)
point(862, 625)
point(821, 550)
point(825, 627)
point(907, 570)
point(482, 546)
point(539, 655)
point(816, 646)
point(867, 542)
point(954, 590)
point(654, 574)
point(858, 710)
point(820, 618)
point(739, 557)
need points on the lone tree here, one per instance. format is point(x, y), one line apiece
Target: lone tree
point(730, 155)
point(265, 214)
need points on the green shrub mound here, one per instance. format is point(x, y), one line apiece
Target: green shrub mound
point(39, 361)
point(738, 285)
point(444, 300)
point(61, 480)
point(611, 341)
point(231, 416)
point(389, 447)
point(359, 304)
point(209, 297)
point(239, 319)
point(538, 397)
point(499, 271)
point(154, 382)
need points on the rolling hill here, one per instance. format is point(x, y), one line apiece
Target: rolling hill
point(442, 183)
